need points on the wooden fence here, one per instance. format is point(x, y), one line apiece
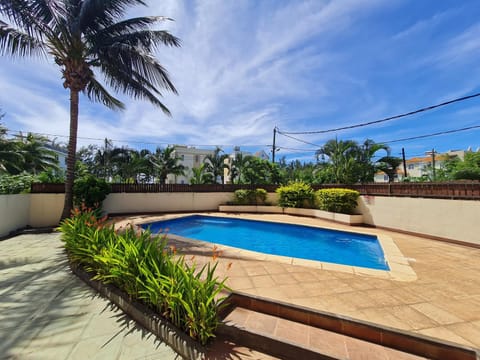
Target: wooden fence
point(444, 190)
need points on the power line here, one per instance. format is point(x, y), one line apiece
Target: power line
point(433, 134)
point(297, 139)
point(134, 141)
point(384, 119)
point(397, 140)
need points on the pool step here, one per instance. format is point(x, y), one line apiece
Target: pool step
point(291, 332)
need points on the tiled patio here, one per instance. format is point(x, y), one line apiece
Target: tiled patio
point(443, 301)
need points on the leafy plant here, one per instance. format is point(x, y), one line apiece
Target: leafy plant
point(147, 270)
point(90, 191)
point(16, 184)
point(296, 195)
point(250, 197)
point(337, 200)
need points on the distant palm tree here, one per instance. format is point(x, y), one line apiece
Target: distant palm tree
point(200, 176)
point(36, 156)
point(10, 157)
point(81, 35)
point(341, 159)
point(215, 164)
point(389, 165)
point(239, 164)
point(165, 162)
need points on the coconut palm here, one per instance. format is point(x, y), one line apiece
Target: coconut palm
point(215, 164)
point(84, 35)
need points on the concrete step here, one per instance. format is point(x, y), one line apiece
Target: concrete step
point(286, 331)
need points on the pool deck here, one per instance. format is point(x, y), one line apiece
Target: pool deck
point(439, 297)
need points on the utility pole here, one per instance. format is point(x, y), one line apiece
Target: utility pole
point(433, 163)
point(404, 163)
point(273, 146)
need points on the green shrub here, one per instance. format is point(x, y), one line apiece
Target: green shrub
point(90, 191)
point(467, 174)
point(147, 270)
point(337, 200)
point(15, 184)
point(296, 195)
point(250, 197)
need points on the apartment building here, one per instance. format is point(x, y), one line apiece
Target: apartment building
point(190, 157)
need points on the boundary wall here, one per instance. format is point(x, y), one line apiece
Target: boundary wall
point(457, 220)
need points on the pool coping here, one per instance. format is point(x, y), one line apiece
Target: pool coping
point(400, 269)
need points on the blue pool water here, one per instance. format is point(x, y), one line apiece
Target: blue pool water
point(297, 241)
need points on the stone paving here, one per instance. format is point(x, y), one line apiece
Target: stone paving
point(443, 301)
point(48, 313)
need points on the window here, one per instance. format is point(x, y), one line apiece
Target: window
point(411, 166)
point(197, 158)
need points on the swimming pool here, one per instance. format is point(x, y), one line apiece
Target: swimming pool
point(297, 241)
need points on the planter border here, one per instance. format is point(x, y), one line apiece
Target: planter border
point(180, 342)
point(326, 215)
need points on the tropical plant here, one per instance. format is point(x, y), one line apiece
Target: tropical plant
point(296, 195)
point(10, 158)
point(250, 196)
point(16, 184)
point(239, 164)
point(348, 162)
point(261, 171)
point(215, 164)
point(37, 157)
point(90, 191)
point(82, 36)
point(337, 200)
point(166, 162)
point(143, 266)
point(389, 165)
point(201, 176)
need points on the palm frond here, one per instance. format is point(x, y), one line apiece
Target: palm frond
point(15, 42)
point(93, 13)
point(96, 92)
point(128, 59)
point(126, 82)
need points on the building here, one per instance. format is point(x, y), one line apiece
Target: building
point(190, 157)
point(236, 151)
point(418, 167)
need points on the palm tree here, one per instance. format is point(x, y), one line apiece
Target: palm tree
point(83, 35)
point(200, 176)
point(10, 157)
point(36, 156)
point(341, 159)
point(215, 164)
point(239, 164)
point(389, 165)
point(366, 152)
point(165, 162)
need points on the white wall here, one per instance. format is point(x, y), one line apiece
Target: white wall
point(449, 219)
point(45, 209)
point(163, 202)
point(14, 211)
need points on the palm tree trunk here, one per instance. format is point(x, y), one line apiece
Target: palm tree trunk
point(72, 147)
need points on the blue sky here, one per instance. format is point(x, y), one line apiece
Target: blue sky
point(247, 66)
